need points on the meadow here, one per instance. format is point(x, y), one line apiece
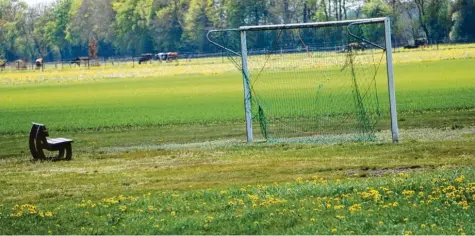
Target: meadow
point(159, 149)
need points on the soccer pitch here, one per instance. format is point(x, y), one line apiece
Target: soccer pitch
point(159, 149)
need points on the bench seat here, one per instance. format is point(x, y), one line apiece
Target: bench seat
point(38, 142)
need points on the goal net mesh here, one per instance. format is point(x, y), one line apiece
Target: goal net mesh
point(314, 84)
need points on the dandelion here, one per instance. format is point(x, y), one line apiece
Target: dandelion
point(209, 219)
point(299, 180)
point(460, 179)
point(338, 207)
point(433, 225)
point(355, 208)
point(423, 226)
point(407, 233)
point(48, 214)
point(313, 220)
point(408, 192)
point(173, 213)
point(403, 175)
point(334, 230)
point(380, 222)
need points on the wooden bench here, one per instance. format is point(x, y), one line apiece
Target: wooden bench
point(38, 142)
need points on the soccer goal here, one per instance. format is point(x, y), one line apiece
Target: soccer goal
point(314, 82)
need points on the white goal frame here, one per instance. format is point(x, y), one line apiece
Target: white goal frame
point(246, 77)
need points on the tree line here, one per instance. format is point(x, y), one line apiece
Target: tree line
point(66, 29)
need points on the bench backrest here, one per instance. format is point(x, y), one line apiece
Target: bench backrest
point(38, 134)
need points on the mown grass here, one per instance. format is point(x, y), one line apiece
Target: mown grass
point(160, 150)
point(158, 101)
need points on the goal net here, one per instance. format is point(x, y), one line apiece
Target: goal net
point(316, 82)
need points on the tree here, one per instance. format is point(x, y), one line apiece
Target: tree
point(166, 26)
point(463, 18)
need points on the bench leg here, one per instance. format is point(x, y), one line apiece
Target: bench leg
point(69, 152)
point(60, 155)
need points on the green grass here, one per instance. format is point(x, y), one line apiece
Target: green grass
point(301, 180)
point(160, 150)
point(158, 101)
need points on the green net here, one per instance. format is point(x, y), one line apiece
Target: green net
point(316, 84)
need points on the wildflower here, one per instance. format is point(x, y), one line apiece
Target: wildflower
point(334, 230)
point(299, 180)
point(380, 223)
point(405, 219)
point(48, 214)
point(173, 213)
point(313, 220)
point(156, 226)
point(338, 207)
point(433, 225)
point(460, 179)
point(209, 219)
point(123, 208)
point(339, 217)
point(175, 195)
point(196, 211)
point(408, 192)
point(204, 203)
point(355, 208)
point(407, 233)
point(86, 213)
point(222, 192)
point(403, 175)
point(423, 226)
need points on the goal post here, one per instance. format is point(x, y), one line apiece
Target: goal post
point(312, 80)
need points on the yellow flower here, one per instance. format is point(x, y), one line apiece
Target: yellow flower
point(339, 217)
point(406, 219)
point(433, 225)
point(355, 208)
point(299, 180)
point(334, 230)
point(123, 208)
point(460, 179)
point(313, 220)
point(407, 233)
point(380, 223)
point(209, 219)
point(338, 207)
point(173, 213)
point(196, 211)
point(48, 214)
point(423, 226)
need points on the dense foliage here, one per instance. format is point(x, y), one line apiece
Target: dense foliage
point(65, 28)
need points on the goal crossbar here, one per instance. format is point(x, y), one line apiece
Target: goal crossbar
point(312, 25)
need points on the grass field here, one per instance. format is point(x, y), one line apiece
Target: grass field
point(159, 150)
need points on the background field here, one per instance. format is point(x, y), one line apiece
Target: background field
point(177, 132)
